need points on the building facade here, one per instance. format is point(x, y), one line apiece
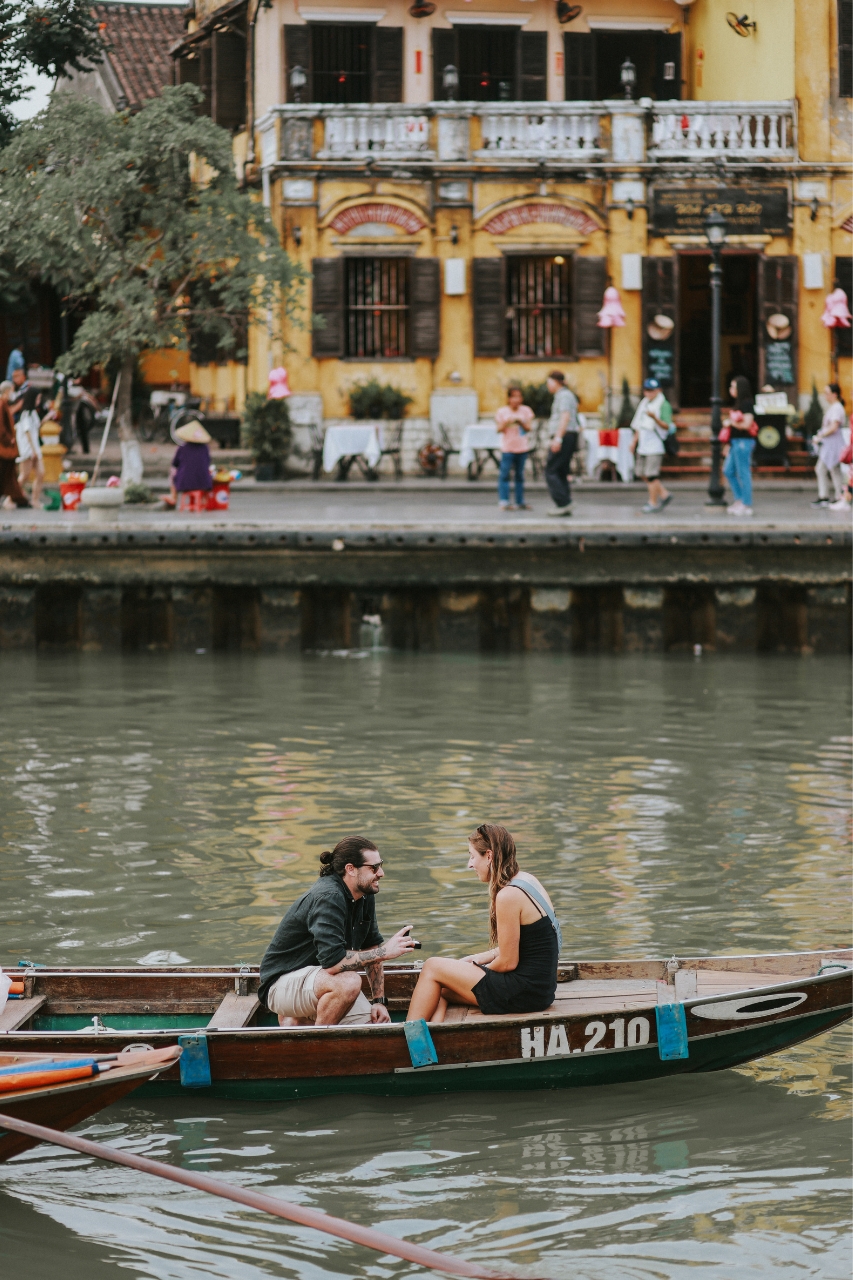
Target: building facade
point(463, 183)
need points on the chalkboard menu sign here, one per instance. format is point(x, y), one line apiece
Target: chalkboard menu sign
point(779, 363)
point(755, 210)
point(660, 365)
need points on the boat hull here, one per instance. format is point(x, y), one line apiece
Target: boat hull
point(591, 1036)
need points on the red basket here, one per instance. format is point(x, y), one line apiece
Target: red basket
point(219, 496)
point(70, 492)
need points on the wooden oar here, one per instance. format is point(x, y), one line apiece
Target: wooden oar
point(267, 1204)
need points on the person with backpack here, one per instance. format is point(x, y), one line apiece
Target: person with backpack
point(651, 424)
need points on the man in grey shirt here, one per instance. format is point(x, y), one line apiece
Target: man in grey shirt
point(563, 428)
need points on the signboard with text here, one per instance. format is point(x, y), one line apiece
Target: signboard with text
point(756, 210)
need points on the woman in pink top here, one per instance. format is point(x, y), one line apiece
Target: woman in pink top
point(513, 422)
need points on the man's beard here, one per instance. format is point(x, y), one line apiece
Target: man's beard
point(371, 887)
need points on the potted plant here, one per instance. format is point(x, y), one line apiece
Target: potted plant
point(267, 435)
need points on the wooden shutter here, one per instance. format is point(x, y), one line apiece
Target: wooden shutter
point(844, 276)
point(533, 66)
point(579, 65)
point(845, 48)
point(297, 53)
point(328, 303)
point(777, 294)
point(424, 307)
point(589, 280)
point(489, 303)
point(668, 49)
point(229, 80)
point(660, 297)
point(388, 64)
point(444, 53)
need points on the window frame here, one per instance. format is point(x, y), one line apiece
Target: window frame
point(566, 269)
point(351, 264)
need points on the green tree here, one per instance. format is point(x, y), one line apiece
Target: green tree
point(138, 222)
point(55, 38)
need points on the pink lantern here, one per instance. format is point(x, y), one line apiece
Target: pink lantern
point(836, 313)
point(279, 388)
point(611, 315)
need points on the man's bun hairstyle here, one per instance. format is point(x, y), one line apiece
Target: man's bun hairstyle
point(350, 850)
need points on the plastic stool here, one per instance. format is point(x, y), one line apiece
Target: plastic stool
point(192, 500)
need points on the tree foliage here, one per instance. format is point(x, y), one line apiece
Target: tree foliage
point(55, 38)
point(266, 431)
point(138, 222)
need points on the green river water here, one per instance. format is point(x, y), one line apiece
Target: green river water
point(170, 808)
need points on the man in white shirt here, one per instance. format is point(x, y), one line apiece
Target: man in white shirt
point(651, 425)
point(563, 429)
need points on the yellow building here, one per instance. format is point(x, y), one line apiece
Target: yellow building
point(463, 182)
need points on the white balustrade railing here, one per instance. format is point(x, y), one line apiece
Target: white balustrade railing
point(746, 130)
point(395, 131)
point(518, 131)
point(550, 129)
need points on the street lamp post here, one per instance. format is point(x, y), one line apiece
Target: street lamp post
point(715, 232)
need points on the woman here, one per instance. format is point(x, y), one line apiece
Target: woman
point(10, 491)
point(29, 443)
point(519, 973)
point(190, 471)
point(832, 444)
point(513, 422)
point(741, 429)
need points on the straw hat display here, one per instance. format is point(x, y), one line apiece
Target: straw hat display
point(193, 433)
point(778, 326)
point(661, 328)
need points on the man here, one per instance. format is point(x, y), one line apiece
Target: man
point(563, 428)
point(16, 361)
point(310, 971)
point(651, 425)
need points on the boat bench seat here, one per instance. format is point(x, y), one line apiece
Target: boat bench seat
point(17, 1012)
point(711, 981)
point(584, 996)
point(234, 1012)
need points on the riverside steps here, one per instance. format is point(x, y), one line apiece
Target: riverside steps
point(434, 568)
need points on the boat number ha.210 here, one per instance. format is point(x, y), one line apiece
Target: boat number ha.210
point(555, 1040)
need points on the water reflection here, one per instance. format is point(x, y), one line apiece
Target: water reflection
point(154, 809)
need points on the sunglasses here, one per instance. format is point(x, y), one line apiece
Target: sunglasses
point(371, 866)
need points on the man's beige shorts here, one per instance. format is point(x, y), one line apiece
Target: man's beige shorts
point(647, 466)
point(292, 996)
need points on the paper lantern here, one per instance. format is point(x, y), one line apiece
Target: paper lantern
point(612, 314)
point(836, 313)
point(279, 388)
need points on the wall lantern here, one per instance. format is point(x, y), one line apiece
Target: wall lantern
point(450, 81)
point(628, 76)
point(298, 81)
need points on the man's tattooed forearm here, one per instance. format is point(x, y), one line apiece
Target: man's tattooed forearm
point(376, 978)
point(359, 959)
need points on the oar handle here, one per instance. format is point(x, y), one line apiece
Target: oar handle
point(267, 1204)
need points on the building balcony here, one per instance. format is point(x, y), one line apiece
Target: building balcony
point(482, 135)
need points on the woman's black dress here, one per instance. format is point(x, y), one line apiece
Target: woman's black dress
point(532, 984)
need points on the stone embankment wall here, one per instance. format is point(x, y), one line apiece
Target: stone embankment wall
point(290, 591)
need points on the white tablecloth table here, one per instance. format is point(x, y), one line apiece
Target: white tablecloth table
point(480, 435)
point(350, 442)
point(620, 454)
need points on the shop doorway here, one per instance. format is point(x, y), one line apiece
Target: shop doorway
point(739, 327)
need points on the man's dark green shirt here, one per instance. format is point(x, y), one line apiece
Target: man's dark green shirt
point(320, 928)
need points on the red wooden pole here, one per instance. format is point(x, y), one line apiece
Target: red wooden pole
point(366, 1236)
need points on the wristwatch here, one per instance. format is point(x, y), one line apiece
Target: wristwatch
point(379, 1000)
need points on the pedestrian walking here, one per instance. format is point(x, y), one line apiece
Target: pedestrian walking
point(651, 424)
point(739, 432)
point(23, 405)
point(513, 421)
point(10, 490)
point(563, 430)
point(831, 445)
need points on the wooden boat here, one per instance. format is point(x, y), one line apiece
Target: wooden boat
point(60, 1103)
point(613, 1021)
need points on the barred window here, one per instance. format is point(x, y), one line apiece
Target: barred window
point(539, 308)
point(377, 308)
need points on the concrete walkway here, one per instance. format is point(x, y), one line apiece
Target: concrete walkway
point(435, 507)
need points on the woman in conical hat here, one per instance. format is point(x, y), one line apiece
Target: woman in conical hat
point(191, 463)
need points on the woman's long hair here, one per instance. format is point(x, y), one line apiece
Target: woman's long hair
point(743, 394)
point(504, 865)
